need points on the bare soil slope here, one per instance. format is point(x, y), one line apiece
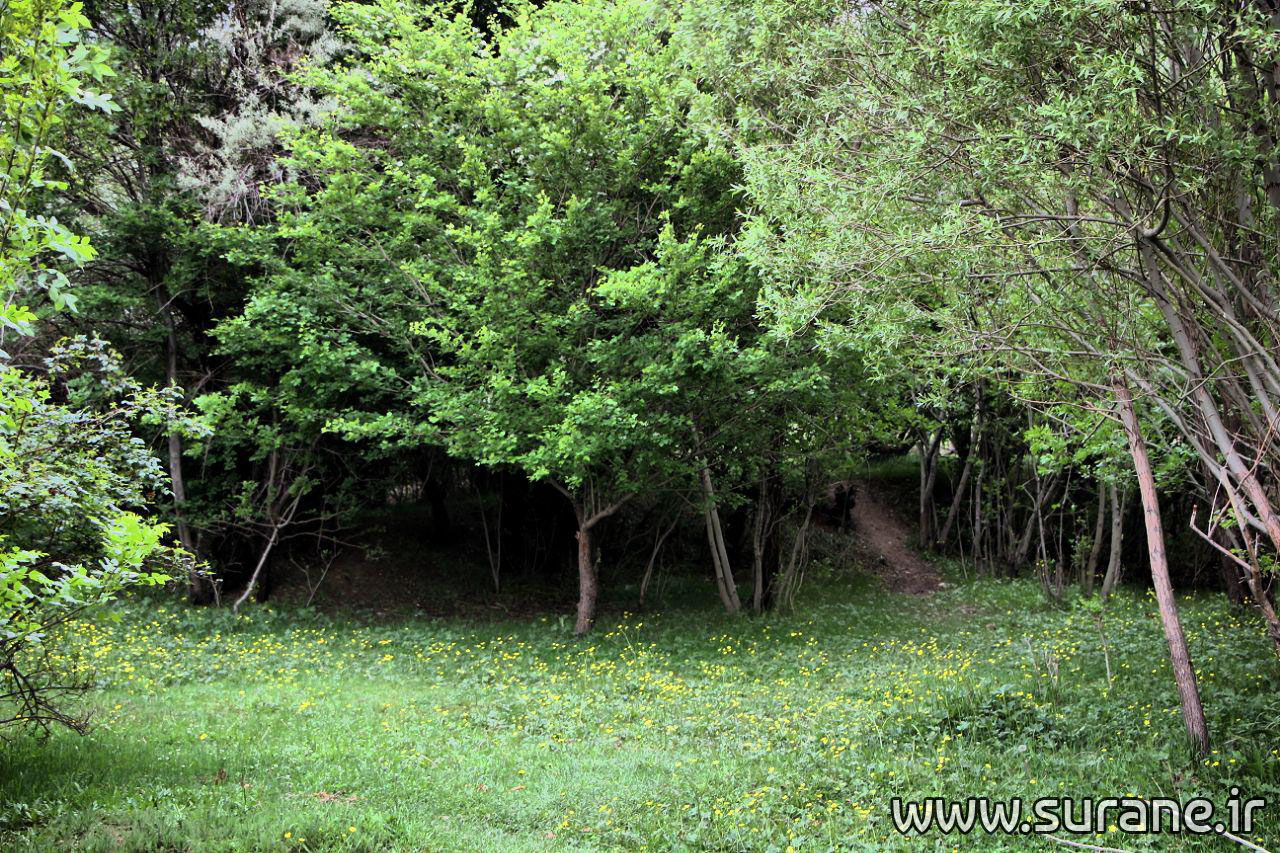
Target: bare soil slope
point(885, 537)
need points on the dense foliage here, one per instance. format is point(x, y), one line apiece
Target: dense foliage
point(74, 476)
point(569, 293)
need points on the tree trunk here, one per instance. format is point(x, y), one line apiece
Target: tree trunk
point(767, 542)
point(492, 544)
point(719, 554)
point(653, 558)
point(972, 442)
point(513, 503)
point(588, 587)
point(1233, 580)
point(1183, 672)
point(956, 502)
point(587, 510)
point(1253, 574)
point(1099, 526)
point(928, 478)
point(759, 525)
point(981, 563)
point(1050, 578)
point(199, 588)
point(788, 582)
point(1112, 577)
point(1243, 474)
point(1043, 487)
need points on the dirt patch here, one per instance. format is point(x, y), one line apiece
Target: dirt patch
point(885, 536)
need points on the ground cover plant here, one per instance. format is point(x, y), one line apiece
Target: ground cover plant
point(293, 729)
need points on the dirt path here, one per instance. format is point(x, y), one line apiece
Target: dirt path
point(884, 536)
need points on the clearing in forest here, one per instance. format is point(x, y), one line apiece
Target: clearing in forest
point(290, 729)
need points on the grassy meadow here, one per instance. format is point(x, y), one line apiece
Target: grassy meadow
point(672, 729)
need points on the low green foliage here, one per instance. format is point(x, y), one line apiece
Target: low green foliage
point(297, 730)
point(74, 484)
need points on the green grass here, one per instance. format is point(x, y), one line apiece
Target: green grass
point(685, 729)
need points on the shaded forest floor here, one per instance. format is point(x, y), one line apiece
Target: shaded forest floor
point(288, 728)
point(400, 568)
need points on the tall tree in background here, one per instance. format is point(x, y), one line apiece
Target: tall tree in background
point(205, 89)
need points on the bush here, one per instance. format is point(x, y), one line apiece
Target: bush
point(74, 480)
point(74, 477)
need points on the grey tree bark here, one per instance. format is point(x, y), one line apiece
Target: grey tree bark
point(1090, 570)
point(1112, 576)
point(725, 583)
point(1184, 674)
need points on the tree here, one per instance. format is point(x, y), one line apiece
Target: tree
point(206, 90)
point(522, 248)
point(74, 479)
point(1053, 188)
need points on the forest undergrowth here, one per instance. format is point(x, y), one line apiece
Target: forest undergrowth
point(671, 729)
